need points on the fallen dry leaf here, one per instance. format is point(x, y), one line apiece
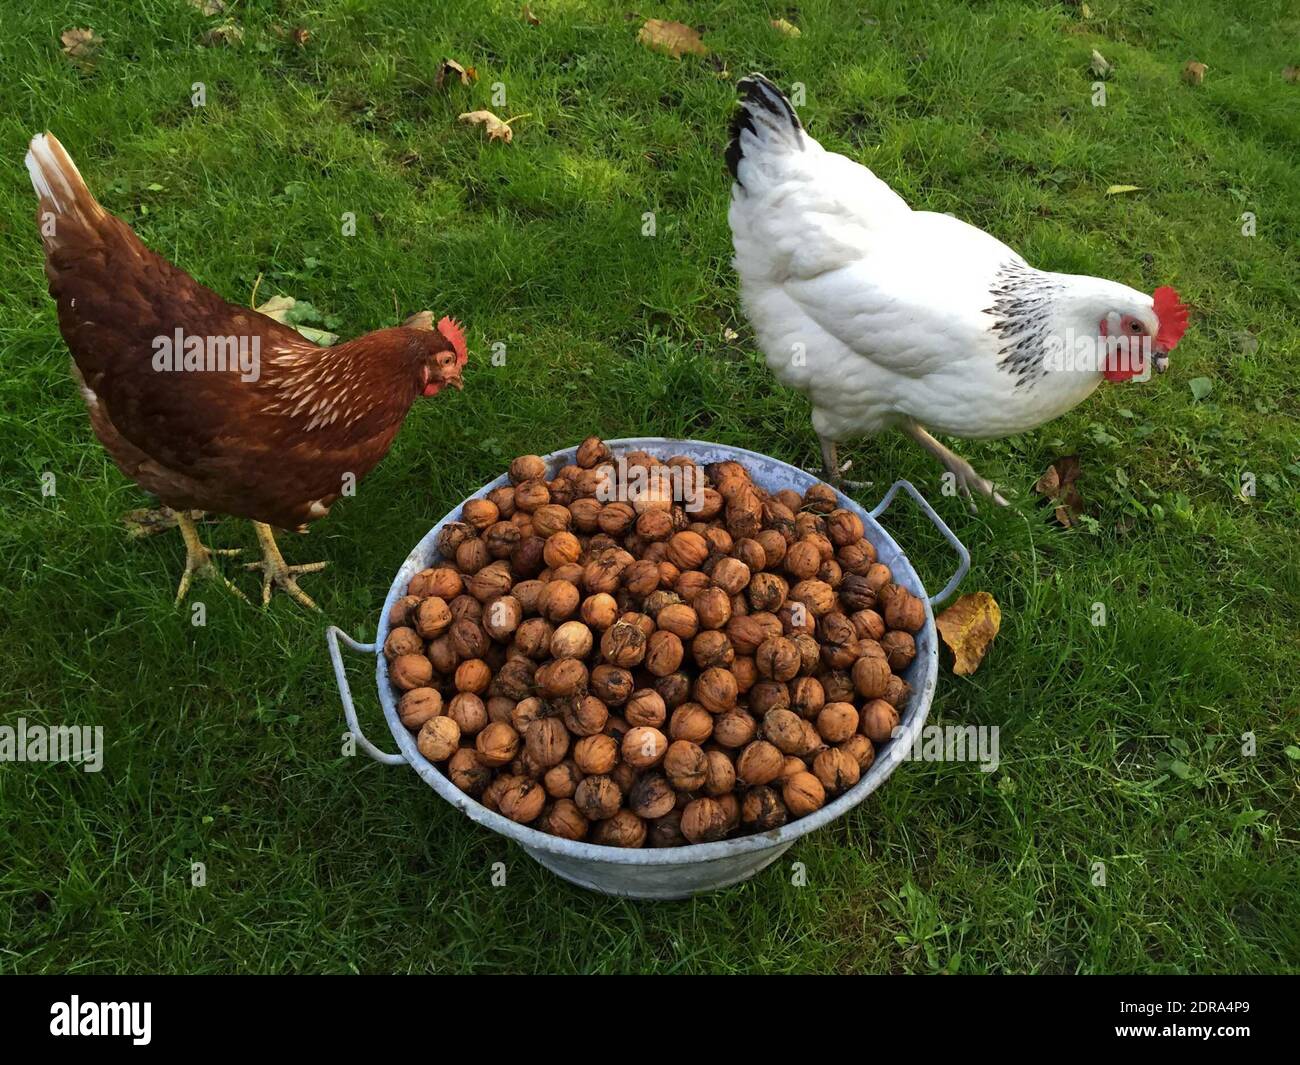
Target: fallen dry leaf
point(968, 627)
point(529, 17)
point(278, 307)
point(1098, 64)
point(301, 36)
point(226, 33)
point(80, 44)
point(1115, 190)
point(788, 28)
point(1291, 74)
point(208, 7)
point(451, 71)
point(497, 129)
point(1194, 72)
point(673, 38)
point(1057, 486)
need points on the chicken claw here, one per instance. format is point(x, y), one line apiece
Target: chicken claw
point(964, 473)
point(198, 559)
point(275, 571)
point(834, 471)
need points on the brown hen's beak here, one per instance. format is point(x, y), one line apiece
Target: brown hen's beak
point(457, 383)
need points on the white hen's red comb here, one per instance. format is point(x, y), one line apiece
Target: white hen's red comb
point(1172, 316)
point(451, 329)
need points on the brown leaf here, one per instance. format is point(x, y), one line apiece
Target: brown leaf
point(208, 7)
point(1057, 487)
point(226, 33)
point(1194, 72)
point(496, 128)
point(968, 627)
point(673, 38)
point(80, 44)
point(449, 71)
point(301, 36)
point(783, 26)
point(529, 17)
point(1291, 74)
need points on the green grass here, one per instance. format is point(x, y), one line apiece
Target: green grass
point(1120, 744)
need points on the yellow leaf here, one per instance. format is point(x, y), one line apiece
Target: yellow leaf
point(1085, 11)
point(968, 627)
point(1115, 190)
point(788, 28)
point(497, 129)
point(80, 44)
point(674, 38)
point(529, 17)
point(450, 72)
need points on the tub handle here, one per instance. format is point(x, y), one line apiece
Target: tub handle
point(964, 555)
point(332, 636)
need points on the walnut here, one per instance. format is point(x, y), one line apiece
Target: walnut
point(596, 754)
point(497, 744)
point(643, 746)
point(645, 707)
point(769, 695)
point(502, 617)
point(871, 676)
point(664, 653)
point(600, 611)
point(821, 499)
point(759, 763)
point(803, 794)
point(442, 655)
point(402, 641)
point(899, 648)
point(533, 638)
point(679, 619)
point(473, 675)
point(692, 722)
point(807, 696)
point(712, 648)
point(686, 765)
point(844, 527)
point(734, 729)
point(624, 829)
point(438, 739)
point(561, 677)
point(480, 513)
point(547, 740)
point(654, 525)
point(399, 614)
point(751, 553)
point(651, 797)
point(712, 608)
point(763, 809)
point(586, 513)
point(720, 778)
point(879, 719)
point(472, 556)
point(860, 749)
point(418, 705)
point(837, 722)
point(688, 550)
point(898, 692)
point(561, 549)
point(716, 690)
point(410, 671)
point(527, 468)
point(839, 640)
point(666, 831)
point(491, 581)
point(838, 686)
point(598, 797)
point(767, 592)
point(837, 770)
point(522, 801)
point(774, 546)
point(903, 610)
point(592, 452)
point(784, 729)
point(449, 537)
point(558, 600)
point(704, 821)
point(562, 780)
point(778, 659)
point(532, 494)
point(745, 672)
point(565, 820)
point(571, 640)
point(468, 771)
point(731, 575)
point(623, 645)
point(816, 595)
point(611, 684)
point(469, 712)
point(525, 712)
point(803, 560)
point(502, 538)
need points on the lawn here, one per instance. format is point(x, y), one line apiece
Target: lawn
point(1122, 743)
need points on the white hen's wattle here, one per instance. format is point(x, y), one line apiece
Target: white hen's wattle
point(888, 316)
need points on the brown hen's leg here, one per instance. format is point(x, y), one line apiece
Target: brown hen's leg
point(275, 571)
point(198, 559)
point(962, 471)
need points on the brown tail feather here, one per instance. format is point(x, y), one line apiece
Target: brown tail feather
point(59, 187)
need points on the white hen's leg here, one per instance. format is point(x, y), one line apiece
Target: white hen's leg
point(832, 469)
point(963, 471)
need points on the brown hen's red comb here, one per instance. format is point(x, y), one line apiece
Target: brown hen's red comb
point(1172, 316)
point(450, 328)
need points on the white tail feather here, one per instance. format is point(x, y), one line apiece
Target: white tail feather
point(57, 182)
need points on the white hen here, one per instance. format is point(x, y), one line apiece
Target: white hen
point(886, 316)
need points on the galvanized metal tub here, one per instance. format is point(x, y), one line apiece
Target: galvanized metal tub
point(674, 872)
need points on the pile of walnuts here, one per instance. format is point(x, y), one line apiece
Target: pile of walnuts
point(645, 651)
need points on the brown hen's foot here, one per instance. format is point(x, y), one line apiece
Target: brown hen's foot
point(150, 520)
point(198, 559)
point(277, 572)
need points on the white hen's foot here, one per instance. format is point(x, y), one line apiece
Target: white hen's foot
point(833, 470)
point(276, 572)
point(967, 480)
